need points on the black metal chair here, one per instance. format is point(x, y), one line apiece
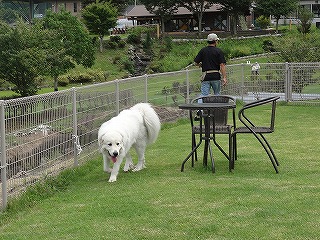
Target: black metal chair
point(220, 123)
point(257, 130)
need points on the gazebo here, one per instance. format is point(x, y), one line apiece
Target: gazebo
point(184, 20)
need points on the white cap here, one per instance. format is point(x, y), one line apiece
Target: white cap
point(212, 37)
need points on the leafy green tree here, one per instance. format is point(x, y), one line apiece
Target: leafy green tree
point(21, 58)
point(276, 8)
point(164, 9)
point(263, 22)
point(197, 8)
point(72, 44)
point(99, 17)
point(305, 18)
point(235, 8)
point(120, 4)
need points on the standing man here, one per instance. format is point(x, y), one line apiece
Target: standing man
point(255, 68)
point(213, 64)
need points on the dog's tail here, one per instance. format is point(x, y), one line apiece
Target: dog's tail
point(151, 120)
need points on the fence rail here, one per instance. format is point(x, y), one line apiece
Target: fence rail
point(44, 134)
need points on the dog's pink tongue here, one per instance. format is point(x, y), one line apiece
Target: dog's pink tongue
point(114, 159)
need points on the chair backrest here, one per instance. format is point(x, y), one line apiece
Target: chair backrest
point(246, 121)
point(221, 115)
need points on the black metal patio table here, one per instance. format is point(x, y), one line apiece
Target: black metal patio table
point(208, 115)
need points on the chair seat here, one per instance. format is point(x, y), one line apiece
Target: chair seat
point(220, 129)
point(255, 129)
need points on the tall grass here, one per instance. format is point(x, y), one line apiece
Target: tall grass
point(183, 53)
point(160, 202)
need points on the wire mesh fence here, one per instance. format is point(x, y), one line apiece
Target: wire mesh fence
point(44, 134)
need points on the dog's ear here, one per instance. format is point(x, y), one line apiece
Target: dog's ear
point(101, 140)
point(101, 147)
point(100, 143)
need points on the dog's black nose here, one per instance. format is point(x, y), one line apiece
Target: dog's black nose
point(115, 154)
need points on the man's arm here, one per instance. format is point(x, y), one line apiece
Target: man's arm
point(224, 74)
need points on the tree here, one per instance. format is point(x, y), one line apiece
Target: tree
point(276, 8)
point(235, 8)
point(120, 4)
point(263, 22)
point(295, 48)
point(197, 8)
point(164, 9)
point(21, 58)
point(72, 44)
point(99, 17)
point(305, 18)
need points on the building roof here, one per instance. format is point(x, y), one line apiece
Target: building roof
point(140, 10)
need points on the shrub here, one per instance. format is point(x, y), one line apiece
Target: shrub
point(240, 52)
point(106, 74)
point(168, 43)
point(85, 77)
point(4, 85)
point(121, 44)
point(116, 59)
point(133, 38)
point(115, 38)
point(63, 81)
point(155, 66)
point(263, 22)
point(128, 65)
point(147, 44)
point(110, 45)
point(267, 46)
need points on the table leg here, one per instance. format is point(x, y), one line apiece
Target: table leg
point(205, 153)
point(206, 138)
point(190, 154)
point(212, 160)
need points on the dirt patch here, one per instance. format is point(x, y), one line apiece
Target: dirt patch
point(169, 114)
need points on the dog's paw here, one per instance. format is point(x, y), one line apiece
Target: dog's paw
point(128, 168)
point(112, 179)
point(139, 167)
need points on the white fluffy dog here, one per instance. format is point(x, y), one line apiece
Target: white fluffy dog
point(135, 127)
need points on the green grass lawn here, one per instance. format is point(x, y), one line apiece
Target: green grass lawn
point(160, 202)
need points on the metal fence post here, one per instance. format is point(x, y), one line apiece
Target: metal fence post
point(242, 81)
point(117, 96)
point(75, 126)
point(288, 83)
point(146, 88)
point(188, 85)
point(3, 166)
